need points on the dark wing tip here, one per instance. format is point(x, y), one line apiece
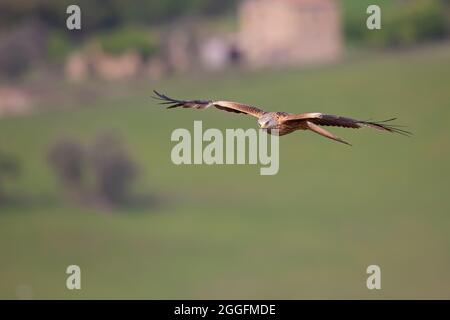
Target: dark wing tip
point(388, 127)
point(174, 103)
point(347, 143)
point(165, 100)
point(160, 96)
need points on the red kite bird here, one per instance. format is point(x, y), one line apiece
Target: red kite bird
point(285, 122)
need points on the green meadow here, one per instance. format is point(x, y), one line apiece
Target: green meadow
point(225, 231)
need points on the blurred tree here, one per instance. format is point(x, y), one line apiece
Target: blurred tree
point(100, 176)
point(67, 158)
point(111, 20)
point(107, 14)
point(114, 170)
point(128, 38)
point(22, 47)
point(403, 22)
point(9, 168)
point(59, 46)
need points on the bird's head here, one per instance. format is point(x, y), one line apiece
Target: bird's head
point(267, 122)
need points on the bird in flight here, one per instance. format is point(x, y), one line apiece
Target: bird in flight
point(283, 123)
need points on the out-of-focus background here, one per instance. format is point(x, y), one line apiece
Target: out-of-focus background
point(85, 170)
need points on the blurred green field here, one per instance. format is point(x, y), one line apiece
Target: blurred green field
point(227, 232)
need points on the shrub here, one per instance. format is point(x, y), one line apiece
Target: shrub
point(403, 23)
point(99, 176)
point(119, 41)
point(9, 167)
point(67, 158)
point(114, 170)
point(58, 46)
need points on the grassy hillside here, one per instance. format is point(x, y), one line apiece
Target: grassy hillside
point(227, 232)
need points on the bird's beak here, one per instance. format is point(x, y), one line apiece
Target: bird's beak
point(261, 125)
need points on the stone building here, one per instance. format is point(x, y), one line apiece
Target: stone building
point(292, 32)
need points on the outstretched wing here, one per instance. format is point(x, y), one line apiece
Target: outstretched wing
point(313, 121)
point(203, 104)
point(338, 121)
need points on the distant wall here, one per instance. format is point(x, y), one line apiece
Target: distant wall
point(290, 31)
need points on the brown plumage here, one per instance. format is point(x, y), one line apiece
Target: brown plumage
point(283, 123)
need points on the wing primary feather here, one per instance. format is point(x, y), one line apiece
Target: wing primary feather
point(204, 104)
point(381, 125)
point(338, 121)
point(174, 103)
